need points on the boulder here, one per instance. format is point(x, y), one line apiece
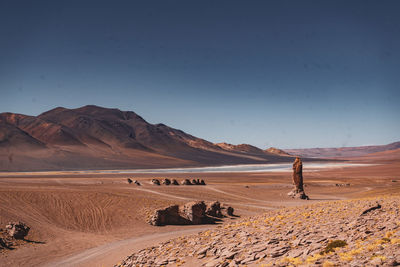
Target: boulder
point(166, 181)
point(190, 213)
point(18, 230)
point(214, 209)
point(202, 182)
point(229, 211)
point(195, 182)
point(4, 244)
point(129, 181)
point(136, 182)
point(298, 190)
point(155, 182)
point(195, 212)
point(174, 182)
point(168, 215)
point(186, 182)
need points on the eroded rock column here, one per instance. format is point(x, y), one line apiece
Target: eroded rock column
point(298, 191)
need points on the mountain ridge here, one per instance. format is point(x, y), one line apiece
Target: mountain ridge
point(102, 135)
point(342, 152)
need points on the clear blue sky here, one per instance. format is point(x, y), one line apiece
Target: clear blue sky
point(288, 74)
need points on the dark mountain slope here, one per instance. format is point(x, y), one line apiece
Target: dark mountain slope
point(102, 138)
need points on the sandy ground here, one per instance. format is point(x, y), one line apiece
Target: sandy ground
point(98, 219)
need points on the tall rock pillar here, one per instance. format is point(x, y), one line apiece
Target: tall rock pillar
point(298, 190)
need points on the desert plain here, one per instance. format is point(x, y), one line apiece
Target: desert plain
point(98, 219)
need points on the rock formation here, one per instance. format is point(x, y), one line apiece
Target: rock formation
point(190, 213)
point(186, 182)
point(18, 230)
point(155, 182)
point(168, 215)
point(298, 190)
point(229, 211)
point(166, 181)
point(214, 209)
point(194, 212)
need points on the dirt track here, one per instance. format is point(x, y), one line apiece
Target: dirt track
point(111, 253)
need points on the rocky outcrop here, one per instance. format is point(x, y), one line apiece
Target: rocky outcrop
point(340, 185)
point(186, 182)
point(193, 182)
point(166, 181)
point(195, 212)
point(155, 182)
point(18, 230)
point(298, 190)
point(229, 211)
point(166, 216)
point(321, 234)
point(214, 209)
point(190, 213)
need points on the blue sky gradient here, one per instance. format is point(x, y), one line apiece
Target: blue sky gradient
point(288, 74)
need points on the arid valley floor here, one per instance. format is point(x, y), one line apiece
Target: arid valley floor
point(99, 219)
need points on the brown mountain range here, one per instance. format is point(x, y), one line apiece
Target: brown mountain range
point(93, 137)
point(344, 152)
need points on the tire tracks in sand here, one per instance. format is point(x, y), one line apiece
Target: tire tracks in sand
point(91, 257)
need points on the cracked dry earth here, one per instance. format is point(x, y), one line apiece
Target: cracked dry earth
point(296, 236)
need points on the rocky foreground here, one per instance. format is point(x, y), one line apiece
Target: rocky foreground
point(341, 233)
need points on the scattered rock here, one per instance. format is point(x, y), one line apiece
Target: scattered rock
point(321, 234)
point(202, 182)
point(18, 230)
point(166, 181)
point(229, 211)
point(340, 185)
point(129, 181)
point(136, 182)
point(4, 244)
point(332, 245)
point(394, 263)
point(214, 209)
point(174, 182)
point(155, 182)
point(378, 206)
point(186, 182)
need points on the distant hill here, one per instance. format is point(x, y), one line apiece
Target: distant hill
point(93, 137)
point(342, 152)
point(245, 148)
point(277, 151)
